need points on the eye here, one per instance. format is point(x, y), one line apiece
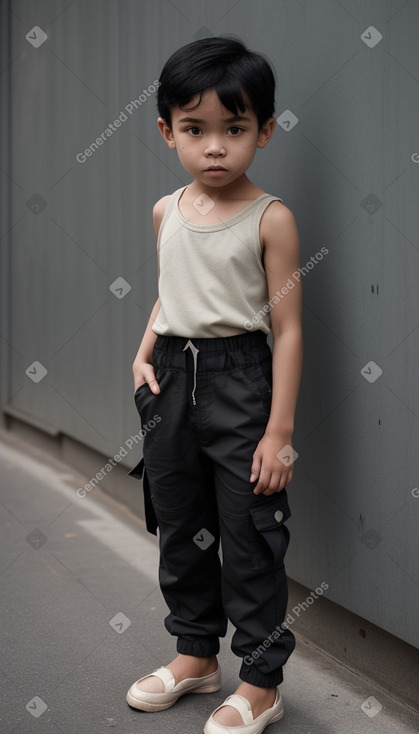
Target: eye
point(236, 130)
point(194, 131)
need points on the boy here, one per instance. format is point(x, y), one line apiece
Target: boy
point(217, 459)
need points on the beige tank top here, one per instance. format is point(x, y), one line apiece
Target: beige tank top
point(212, 281)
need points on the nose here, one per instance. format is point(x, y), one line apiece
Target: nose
point(215, 146)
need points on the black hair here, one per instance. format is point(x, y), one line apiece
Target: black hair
point(223, 63)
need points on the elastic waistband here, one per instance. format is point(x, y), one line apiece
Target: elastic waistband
point(210, 354)
point(245, 342)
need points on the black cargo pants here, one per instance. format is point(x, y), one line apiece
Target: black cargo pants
point(201, 431)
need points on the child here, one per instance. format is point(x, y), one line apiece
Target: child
point(218, 402)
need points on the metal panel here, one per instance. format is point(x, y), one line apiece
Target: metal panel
point(348, 170)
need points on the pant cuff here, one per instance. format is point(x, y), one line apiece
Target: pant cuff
point(199, 647)
point(250, 674)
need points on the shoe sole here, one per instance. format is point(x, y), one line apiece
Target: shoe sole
point(149, 706)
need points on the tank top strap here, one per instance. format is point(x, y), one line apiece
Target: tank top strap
point(260, 205)
point(174, 198)
point(168, 211)
point(262, 202)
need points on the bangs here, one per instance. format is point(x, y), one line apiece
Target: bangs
point(229, 93)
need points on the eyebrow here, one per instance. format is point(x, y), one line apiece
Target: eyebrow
point(235, 118)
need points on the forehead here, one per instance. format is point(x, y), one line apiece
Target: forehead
point(209, 108)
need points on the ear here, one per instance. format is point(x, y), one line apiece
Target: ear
point(266, 132)
point(166, 133)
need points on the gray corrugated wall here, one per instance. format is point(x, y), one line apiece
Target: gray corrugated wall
point(349, 170)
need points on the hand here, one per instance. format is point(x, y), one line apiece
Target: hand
point(271, 473)
point(144, 372)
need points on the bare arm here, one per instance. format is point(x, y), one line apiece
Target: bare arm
point(281, 260)
point(142, 368)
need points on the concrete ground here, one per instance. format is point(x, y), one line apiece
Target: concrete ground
point(82, 618)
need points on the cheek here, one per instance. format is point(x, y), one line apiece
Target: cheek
point(246, 151)
point(245, 146)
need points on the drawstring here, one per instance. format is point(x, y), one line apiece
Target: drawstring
point(194, 351)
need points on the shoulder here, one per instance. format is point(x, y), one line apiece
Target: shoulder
point(159, 209)
point(277, 224)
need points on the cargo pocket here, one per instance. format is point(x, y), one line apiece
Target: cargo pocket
point(269, 537)
point(139, 472)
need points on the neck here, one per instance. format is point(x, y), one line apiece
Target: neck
point(241, 188)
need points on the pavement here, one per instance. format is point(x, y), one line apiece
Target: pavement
point(82, 619)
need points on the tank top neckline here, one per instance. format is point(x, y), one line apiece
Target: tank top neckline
point(217, 226)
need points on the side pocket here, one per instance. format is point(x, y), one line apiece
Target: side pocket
point(269, 537)
point(143, 395)
point(139, 389)
point(139, 472)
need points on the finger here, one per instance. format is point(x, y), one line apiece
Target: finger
point(152, 382)
point(154, 386)
point(255, 469)
point(263, 483)
point(279, 483)
point(271, 487)
point(269, 493)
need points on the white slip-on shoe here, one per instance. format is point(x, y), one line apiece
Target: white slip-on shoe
point(250, 725)
point(149, 701)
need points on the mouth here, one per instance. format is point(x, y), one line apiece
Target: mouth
point(215, 168)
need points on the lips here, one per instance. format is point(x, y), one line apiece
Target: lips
point(215, 168)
